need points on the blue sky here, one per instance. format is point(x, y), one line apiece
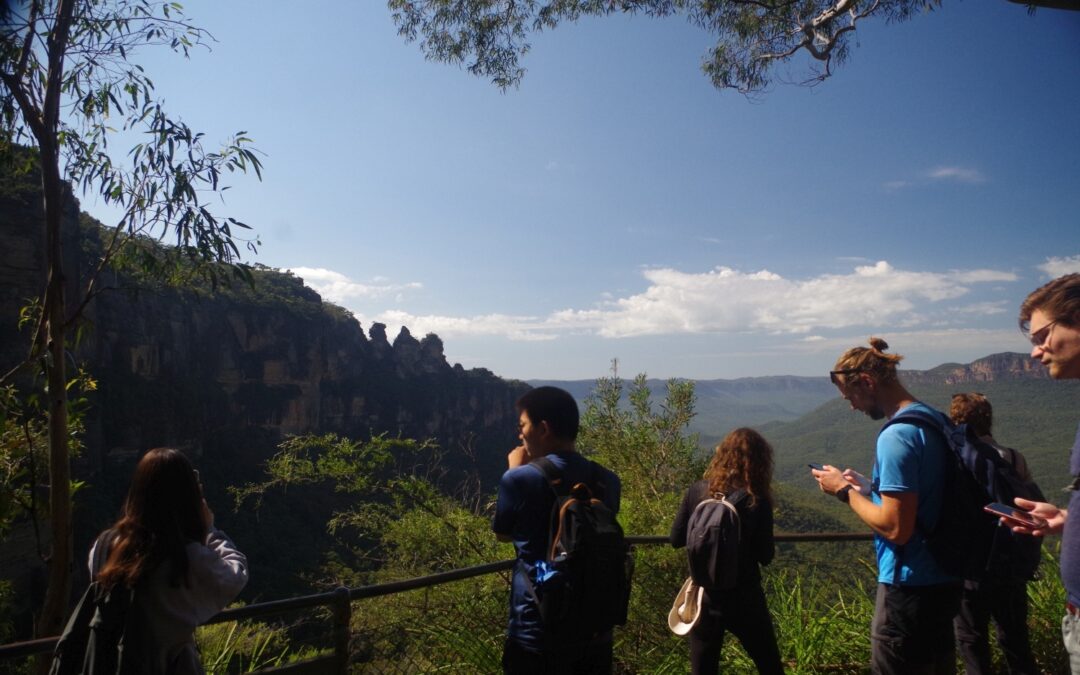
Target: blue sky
point(616, 205)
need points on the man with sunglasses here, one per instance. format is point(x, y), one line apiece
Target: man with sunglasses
point(912, 628)
point(1050, 315)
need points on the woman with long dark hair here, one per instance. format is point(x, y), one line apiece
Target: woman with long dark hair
point(166, 548)
point(741, 469)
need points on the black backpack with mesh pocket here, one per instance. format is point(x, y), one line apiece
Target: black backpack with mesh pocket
point(582, 587)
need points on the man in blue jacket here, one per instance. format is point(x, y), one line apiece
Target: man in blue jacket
point(548, 427)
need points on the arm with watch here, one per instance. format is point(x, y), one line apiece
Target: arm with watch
point(893, 518)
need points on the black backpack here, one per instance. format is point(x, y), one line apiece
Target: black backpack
point(582, 587)
point(967, 542)
point(712, 541)
point(103, 635)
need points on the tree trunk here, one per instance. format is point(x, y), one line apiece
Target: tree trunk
point(58, 593)
point(50, 622)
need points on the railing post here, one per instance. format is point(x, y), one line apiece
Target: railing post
point(342, 633)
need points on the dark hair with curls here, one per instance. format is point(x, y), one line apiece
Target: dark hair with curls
point(973, 410)
point(744, 459)
point(1059, 298)
point(162, 514)
point(872, 360)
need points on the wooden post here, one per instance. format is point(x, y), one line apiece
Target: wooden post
point(342, 632)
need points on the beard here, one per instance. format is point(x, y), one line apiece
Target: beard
point(875, 413)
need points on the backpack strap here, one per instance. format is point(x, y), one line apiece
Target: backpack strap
point(551, 474)
point(918, 418)
point(102, 545)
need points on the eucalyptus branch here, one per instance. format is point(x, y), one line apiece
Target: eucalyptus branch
point(28, 43)
point(26, 105)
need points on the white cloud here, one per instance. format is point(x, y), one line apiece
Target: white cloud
point(1055, 267)
point(338, 288)
point(896, 184)
point(984, 308)
point(956, 173)
point(724, 300)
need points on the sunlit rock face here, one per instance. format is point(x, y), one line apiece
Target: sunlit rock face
point(993, 368)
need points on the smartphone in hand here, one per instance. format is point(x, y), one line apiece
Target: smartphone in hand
point(816, 467)
point(1015, 516)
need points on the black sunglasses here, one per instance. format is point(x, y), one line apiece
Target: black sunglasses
point(1039, 337)
point(846, 371)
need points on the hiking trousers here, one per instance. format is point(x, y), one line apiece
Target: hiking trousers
point(589, 658)
point(1006, 601)
point(744, 613)
point(912, 630)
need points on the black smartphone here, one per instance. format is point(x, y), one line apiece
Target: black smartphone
point(1015, 516)
point(816, 467)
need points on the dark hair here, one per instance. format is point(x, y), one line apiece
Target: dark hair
point(163, 512)
point(1059, 298)
point(973, 410)
point(744, 459)
point(872, 360)
point(554, 406)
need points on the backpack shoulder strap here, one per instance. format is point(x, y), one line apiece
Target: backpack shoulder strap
point(737, 496)
point(918, 418)
point(551, 474)
point(1012, 457)
point(101, 550)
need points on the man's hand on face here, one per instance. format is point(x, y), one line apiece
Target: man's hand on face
point(518, 456)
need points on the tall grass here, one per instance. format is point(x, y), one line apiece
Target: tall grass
point(234, 647)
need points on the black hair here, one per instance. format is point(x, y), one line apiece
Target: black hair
point(554, 406)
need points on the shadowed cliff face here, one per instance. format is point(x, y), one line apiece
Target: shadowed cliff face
point(225, 376)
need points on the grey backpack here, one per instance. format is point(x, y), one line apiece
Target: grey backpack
point(712, 541)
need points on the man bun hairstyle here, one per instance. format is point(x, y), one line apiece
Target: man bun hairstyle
point(1059, 298)
point(872, 360)
point(554, 406)
point(973, 410)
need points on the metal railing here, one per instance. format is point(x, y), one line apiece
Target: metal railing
point(459, 632)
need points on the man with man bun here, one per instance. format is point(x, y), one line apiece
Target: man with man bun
point(912, 628)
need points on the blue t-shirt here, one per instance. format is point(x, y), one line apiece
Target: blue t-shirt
point(910, 459)
point(523, 512)
point(1070, 538)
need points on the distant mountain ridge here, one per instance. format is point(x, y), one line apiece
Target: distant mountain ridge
point(993, 368)
point(724, 404)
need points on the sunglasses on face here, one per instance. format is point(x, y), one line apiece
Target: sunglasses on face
point(1039, 337)
point(846, 371)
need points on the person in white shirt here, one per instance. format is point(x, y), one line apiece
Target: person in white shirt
point(166, 548)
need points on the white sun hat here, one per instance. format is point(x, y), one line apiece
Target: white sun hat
point(686, 609)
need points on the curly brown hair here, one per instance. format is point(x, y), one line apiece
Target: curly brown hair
point(744, 459)
point(974, 410)
point(872, 360)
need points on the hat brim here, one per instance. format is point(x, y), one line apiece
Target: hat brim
point(692, 593)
